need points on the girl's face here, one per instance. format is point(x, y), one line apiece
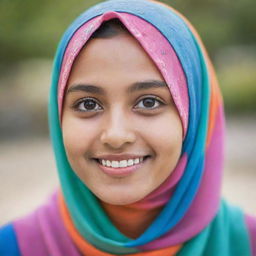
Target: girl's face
point(121, 130)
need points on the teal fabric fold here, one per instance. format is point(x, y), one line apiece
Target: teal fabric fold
point(226, 235)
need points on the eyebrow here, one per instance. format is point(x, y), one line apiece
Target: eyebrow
point(86, 88)
point(145, 85)
point(138, 86)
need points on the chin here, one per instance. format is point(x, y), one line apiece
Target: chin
point(121, 199)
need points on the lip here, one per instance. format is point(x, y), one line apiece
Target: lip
point(122, 171)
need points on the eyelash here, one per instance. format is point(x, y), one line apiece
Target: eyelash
point(77, 104)
point(156, 100)
point(82, 101)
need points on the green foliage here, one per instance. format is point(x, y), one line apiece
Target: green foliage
point(33, 28)
point(238, 87)
point(221, 22)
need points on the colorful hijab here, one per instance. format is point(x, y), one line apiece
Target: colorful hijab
point(193, 220)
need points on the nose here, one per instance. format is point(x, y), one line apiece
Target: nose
point(117, 131)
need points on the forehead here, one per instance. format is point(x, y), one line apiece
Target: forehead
point(113, 60)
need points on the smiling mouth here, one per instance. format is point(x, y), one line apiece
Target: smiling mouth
point(121, 164)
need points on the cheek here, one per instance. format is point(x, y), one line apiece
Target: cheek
point(164, 134)
point(78, 135)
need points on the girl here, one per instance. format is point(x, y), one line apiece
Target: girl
point(136, 120)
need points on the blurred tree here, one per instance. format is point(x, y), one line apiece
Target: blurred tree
point(221, 22)
point(32, 28)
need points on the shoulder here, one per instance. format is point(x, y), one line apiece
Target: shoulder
point(251, 224)
point(26, 235)
point(241, 227)
point(233, 219)
point(42, 232)
point(8, 241)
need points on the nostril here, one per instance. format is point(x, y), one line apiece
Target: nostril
point(116, 138)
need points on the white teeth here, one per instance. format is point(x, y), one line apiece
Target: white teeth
point(130, 162)
point(115, 164)
point(122, 163)
point(137, 160)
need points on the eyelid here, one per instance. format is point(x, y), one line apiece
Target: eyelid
point(76, 104)
point(159, 100)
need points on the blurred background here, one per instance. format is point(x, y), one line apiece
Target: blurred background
point(29, 34)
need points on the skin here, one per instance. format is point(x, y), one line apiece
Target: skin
point(120, 123)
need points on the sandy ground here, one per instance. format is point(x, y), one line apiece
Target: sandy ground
point(28, 176)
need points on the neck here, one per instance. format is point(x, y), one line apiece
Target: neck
point(130, 220)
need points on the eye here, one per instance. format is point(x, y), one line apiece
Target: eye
point(87, 105)
point(149, 103)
